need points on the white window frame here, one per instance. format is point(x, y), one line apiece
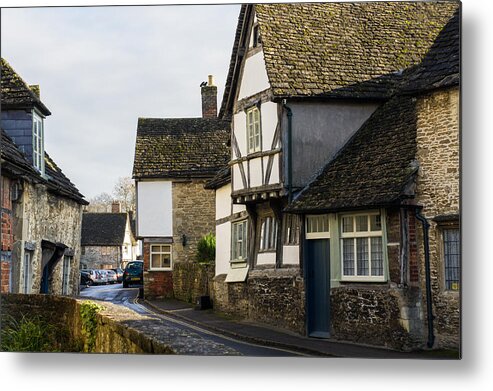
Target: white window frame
point(66, 274)
point(38, 142)
point(242, 258)
point(317, 226)
point(253, 129)
point(268, 234)
point(170, 253)
point(27, 272)
point(362, 234)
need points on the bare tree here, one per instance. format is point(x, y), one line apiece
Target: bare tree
point(124, 192)
point(100, 203)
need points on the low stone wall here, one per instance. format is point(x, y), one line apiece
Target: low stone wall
point(271, 296)
point(114, 332)
point(382, 316)
point(192, 280)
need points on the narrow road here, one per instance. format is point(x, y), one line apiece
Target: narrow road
point(127, 297)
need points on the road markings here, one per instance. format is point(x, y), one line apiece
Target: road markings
point(208, 332)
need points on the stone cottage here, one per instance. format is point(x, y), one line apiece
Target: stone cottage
point(107, 241)
point(45, 207)
point(174, 157)
point(311, 84)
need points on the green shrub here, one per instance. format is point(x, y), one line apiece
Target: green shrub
point(206, 249)
point(88, 311)
point(29, 334)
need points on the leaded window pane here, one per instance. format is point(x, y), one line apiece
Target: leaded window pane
point(361, 223)
point(348, 256)
point(376, 257)
point(347, 224)
point(451, 242)
point(375, 223)
point(362, 256)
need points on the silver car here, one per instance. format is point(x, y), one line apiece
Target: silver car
point(112, 277)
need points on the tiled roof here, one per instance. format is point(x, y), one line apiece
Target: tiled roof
point(103, 229)
point(340, 50)
point(16, 92)
point(222, 177)
point(373, 168)
point(15, 160)
point(181, 147)
point(441, 65)
point(58, 182)
point(376, 166)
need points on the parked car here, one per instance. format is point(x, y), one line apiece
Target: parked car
point(133, 274)
point(119, 274)
point(111, 276)
point(102, 277)
point(85, 278)
point(90, 274)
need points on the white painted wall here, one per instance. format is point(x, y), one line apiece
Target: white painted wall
point(223, 201)
point(274, 175)
point(154, 209)
point(268, 115)
point(237, 181)
point(254, 78)
point(240, 133)
point(290, 255)
point(266, 259)
point(255, 172)
point(223, 247)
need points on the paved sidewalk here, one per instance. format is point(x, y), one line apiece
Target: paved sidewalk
point(251, 332)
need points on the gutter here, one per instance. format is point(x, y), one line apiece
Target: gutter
point(429, 306)
point(290, 150)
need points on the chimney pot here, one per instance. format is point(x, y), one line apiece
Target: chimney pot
point(115, 207)
point(211, 80)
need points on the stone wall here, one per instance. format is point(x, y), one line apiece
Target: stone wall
point(438, 191)
point(193, 216)
point(39, 216)
point(377, 315)
point(192, 280)
point(272, 296)
point(101, 257)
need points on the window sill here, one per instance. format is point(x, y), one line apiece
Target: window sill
point(363, 279)
point(164, 269)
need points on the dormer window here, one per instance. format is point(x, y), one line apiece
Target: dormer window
point(38, 144)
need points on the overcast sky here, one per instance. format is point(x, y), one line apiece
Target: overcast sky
point(100, 68)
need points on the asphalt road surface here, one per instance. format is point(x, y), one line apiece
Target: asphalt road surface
point(127, 297)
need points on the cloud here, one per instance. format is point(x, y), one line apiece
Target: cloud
point(100, 68)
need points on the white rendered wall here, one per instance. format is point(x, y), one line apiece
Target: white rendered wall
point(223, 247)
point(254, 78)
point(255, 167)
point(223, 202)
point(268, 114)
point(237, 181)
point(240, 134)
point(274, 175)
point(290, 255)
point(266, 258)
point(154, 209)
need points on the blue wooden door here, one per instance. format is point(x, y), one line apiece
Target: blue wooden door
point(318, 287)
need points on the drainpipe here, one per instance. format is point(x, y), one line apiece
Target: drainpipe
point(429, 307)
point(290, 151)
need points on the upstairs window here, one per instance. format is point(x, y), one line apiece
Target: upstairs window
point(362, 247)
point(268, 234)
point(38, 144)
point(253, 129)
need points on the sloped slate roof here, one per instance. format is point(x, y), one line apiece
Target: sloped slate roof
point(222, 177)
point(340, 50)
point(441, 65)
point(103, 229)
point(373, 168)
point(15, 160)
point(180, 147)
point(16, 92)
point(58, 182)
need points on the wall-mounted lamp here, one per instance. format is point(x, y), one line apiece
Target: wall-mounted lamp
point(184, 240)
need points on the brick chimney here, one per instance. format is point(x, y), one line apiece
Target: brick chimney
point(115, 207)
point(209, 99)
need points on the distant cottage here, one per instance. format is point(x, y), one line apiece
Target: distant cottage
point(41, 207)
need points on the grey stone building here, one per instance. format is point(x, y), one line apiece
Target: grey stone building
point(107, 241)
point(174, 157)
point(46, 207)
point(328, 149)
